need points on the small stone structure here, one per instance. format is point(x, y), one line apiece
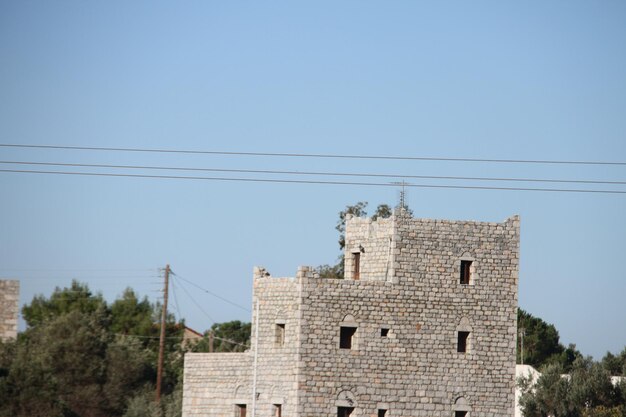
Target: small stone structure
point(9, 307)
point(424, 324)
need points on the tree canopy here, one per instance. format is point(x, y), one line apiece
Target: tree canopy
point(80, 357)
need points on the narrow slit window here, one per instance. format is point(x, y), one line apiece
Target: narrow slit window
point(356, 265)
point(344, 411)
point(382, 413)
point(463, 342)
point(384, 332)
point(346, 336)
point(280, 334)
point(277, 412)
point(240, 410)
point(466, 271)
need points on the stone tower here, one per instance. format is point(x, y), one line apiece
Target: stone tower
point(424, 324)
point(9, 307)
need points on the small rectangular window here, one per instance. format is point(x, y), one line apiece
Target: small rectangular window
point(356, 261)
point(344, 411)
point(277, 411)
point(346, 335)
point(382, 413)
point(463, 338)
point(384, 332)
point(240, 410)
point(465, 272)
point(280, 334)
point(460, 413)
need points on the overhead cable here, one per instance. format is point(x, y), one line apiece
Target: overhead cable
point(312, 155)
point(212, 293)
point(285, 181)
point(317, 173)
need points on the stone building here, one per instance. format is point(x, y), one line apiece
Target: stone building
point(424, 324)
point(9, 307)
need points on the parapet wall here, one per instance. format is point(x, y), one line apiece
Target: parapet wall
point(214, 382)
point(9, 308)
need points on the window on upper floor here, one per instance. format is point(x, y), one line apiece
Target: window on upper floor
point(462, 342)
point(382, 413)
point(344, 411)
point(277, 410)
point(356, 266)
point(466, 272)
point(279, 334)
point(384, 331)
point(346, 336)
point(240, 410)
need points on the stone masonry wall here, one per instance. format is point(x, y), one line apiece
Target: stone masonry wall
point(373, 241)
point(279, 304)
point(416, 370)
point(9, 308)
point(410, 286)
point(213, 383)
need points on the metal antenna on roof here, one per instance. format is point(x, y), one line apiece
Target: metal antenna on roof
point(402, 197)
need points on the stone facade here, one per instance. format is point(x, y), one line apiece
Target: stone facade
point(406, 338)
point(9, 307)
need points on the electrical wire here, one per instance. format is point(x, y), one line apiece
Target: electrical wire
point(176, 299)
point(198, 305)
point(312, 155)
point(318, 173)
point(285, 181)
point(212, 293)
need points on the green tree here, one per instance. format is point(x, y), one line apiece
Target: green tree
point(585, 392)
point(62, 301)
point(615, 364)
point(231, 336)
point(80, 358)
point(131, 316)
point(541, 340)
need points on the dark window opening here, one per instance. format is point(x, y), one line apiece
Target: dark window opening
point(356, 260)
point(462, 342)
point(240, 410)
point(384, 332)
point(465, 272)
point(277, 410)
point(344, 411)
point(382, 413)
point(460, 413)
point(345, 337)
point(280, 334)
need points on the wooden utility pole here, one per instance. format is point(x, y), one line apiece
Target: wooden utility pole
point(162, 338)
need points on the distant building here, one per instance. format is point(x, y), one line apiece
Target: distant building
point(9, 308)
point(424, 324)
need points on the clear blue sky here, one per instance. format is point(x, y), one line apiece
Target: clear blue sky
point(532, 80)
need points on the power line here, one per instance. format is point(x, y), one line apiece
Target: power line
point(307, 155)
point(212, 293)
point(138, 336)
point(318, 173)
point(197, 305)
point(176, 300)
point(285, 181)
